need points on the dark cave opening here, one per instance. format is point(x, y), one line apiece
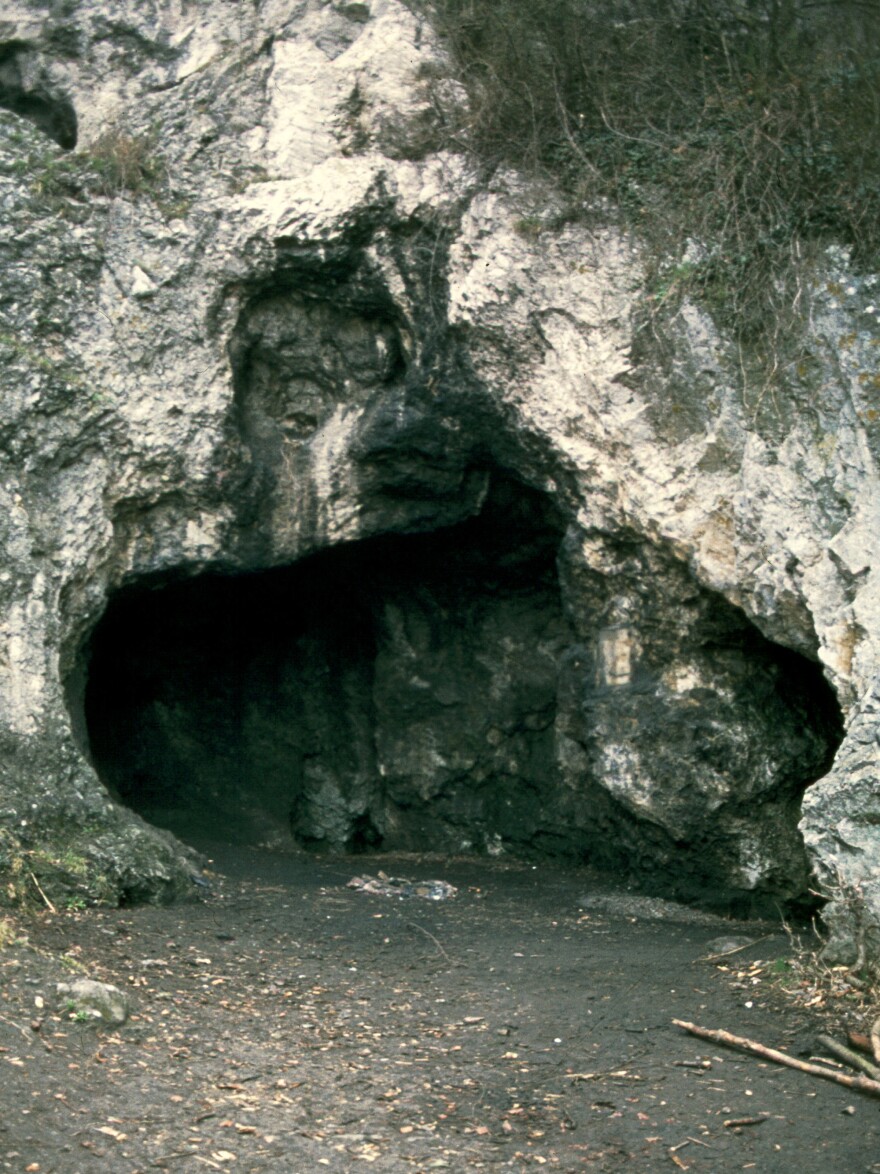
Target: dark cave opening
point(342, 702)
point(437, 692)
point(54, 115)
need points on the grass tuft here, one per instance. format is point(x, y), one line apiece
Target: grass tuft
point(751, 130)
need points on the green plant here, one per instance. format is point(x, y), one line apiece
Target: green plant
point(77, 1014)
point(52, 875)
point(779, 968)
point(70, 963)
point(670, 279)
point(529, 227)
point(117, 162)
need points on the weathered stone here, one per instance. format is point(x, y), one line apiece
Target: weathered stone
point(94, 1000)
point(339, 509)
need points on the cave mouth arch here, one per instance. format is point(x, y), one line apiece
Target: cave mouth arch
point(342, 702)
point(442, 692)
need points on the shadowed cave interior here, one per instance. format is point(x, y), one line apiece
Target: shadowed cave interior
point(433, 692)
point(53, 114)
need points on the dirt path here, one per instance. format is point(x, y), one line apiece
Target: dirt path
point(290, 1024)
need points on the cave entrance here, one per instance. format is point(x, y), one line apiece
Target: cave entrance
point(395, 693)
point(490, 685)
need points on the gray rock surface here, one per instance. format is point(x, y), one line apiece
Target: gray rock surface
point(94, 1000)
point(347, 499)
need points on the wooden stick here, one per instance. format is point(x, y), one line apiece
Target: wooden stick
point(862, 1083)
point(51, 907)
point(735, 950)
point(27, 1035)
point(858, 1039)
point(421, 929)
point(860, 1063)
point(875, 1039)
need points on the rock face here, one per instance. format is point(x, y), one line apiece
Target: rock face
point(349, 500)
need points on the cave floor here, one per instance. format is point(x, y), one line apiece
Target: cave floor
point(288, 1023)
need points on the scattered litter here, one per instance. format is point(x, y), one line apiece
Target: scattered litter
point(398, 886)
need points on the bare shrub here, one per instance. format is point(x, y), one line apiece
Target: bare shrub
point(125, 163)
point(750, 127)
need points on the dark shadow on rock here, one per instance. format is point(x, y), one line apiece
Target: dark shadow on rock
point(440, 692)
point(51, 113)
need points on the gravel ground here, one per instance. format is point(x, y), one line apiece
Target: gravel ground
point(288, 1023)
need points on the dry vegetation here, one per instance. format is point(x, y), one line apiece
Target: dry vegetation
point(736, 135)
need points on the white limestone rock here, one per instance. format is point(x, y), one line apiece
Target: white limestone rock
point(158, 419)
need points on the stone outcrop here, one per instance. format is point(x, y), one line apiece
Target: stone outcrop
point(353, 498)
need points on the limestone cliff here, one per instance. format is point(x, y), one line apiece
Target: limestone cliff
point(352, 498)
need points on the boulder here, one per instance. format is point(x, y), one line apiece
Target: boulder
point(90, 999)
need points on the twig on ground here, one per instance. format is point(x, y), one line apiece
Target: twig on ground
point(827, 1061)
point(51, 907)
point(860, 1063)
point(875, 1039)
point(735, 950)
point(24, 1031)
point(688, 1141)
point(422, 929)
point(28, 1035)
point(862, 1083)
point(858, 1040)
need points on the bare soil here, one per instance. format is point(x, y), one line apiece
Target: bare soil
point(288, 1023)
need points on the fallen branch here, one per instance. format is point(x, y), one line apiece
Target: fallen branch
point(734, 949)
point(858, 1039)
point(861, 1083)
point(49, 904)
point(875, 1039)
point(24, 1031)
point(860, 1063)
point(421, 929)
point(687, 1141)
